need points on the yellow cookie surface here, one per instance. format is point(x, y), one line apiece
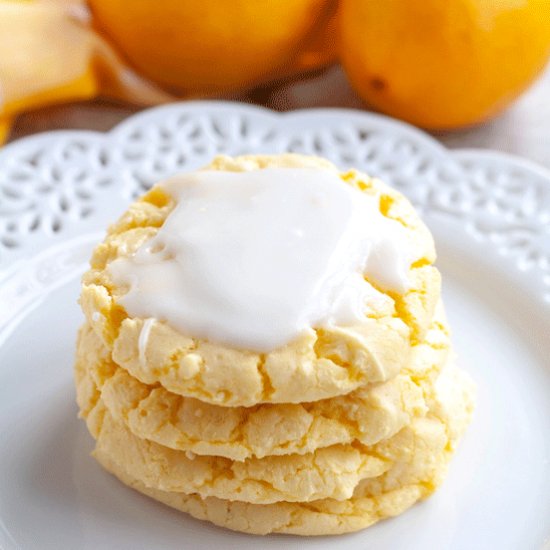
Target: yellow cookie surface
point(319, 364)
point(367, 415)
point(419, 455)
point(316, 518)
point(330, 472)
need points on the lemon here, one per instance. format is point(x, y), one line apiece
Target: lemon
point(211, 45)
point(443, 64)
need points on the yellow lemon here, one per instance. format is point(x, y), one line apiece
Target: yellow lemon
point(211, 45)
point(443, 64)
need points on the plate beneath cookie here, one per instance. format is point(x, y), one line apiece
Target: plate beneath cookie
point(490, 215)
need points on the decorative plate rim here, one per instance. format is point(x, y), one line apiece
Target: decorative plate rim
point(255, 109)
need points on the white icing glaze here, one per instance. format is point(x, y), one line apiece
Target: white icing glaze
point(144, 339)
point(251, 259)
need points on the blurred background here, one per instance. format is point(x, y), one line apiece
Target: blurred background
point(473, 73)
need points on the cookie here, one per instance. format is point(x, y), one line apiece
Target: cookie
point(331, 472)
point(424, 449)
point(367, 415)
point(318, 364)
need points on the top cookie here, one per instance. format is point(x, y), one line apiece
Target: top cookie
point(320, 363)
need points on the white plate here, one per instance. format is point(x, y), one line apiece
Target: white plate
point(490, 215)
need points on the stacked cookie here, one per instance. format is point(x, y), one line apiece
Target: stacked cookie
point(339, 428)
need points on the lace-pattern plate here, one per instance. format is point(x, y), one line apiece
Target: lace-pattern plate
point(490, 214)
